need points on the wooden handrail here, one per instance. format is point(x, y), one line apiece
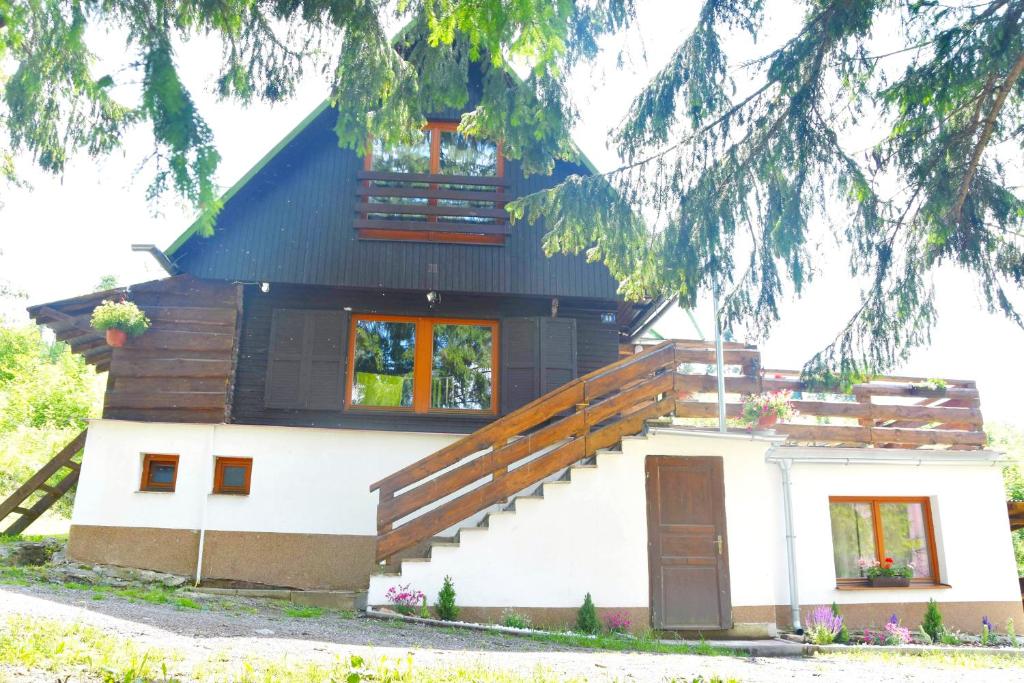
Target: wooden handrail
point(534, 413)
point(596, 410)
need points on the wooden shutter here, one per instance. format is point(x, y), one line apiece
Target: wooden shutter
point(306, 359)
point(520, 362)
point(557, 352)
point(537, 356)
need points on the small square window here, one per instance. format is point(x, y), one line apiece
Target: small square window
point(232, 475)
point(159, 472)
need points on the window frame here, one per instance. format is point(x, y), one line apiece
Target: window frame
point(435, 128)
point(148, 460)
point(220, 462)
point(423, 355)
point(879, 535)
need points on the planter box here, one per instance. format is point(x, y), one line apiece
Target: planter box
point(888, 582)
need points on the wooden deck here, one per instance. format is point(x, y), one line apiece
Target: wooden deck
point(672, 378)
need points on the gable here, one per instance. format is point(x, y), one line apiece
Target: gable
point(292, 221)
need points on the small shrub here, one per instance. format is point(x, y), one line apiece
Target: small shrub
point(424, 610)
point(618, 622)
point(446, 607)
point(1011, 633)
point(823, 626)
point(951, 637)
point(923, 636)
point(932, 623)
point(513, 619)
point(892, 634)
point(986, 632)
point(586, 617)
point(843, 637)
point(120, 315)
point(403, 599)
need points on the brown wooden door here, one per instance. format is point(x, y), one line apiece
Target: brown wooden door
point(687, 548)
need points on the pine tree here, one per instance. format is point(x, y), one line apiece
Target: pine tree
point(447, 610)
point(586, 617)
point(932, 623)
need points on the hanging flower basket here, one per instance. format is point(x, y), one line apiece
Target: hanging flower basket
point(119, 320)
point(116, 337)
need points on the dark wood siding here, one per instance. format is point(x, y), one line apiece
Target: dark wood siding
point(293, 223)
point(181, 369)
point(597, 345)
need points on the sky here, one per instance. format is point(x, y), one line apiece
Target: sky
point(59, 237)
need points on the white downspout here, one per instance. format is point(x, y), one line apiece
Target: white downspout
point(206, 491)
point(719, 363)
point(787, 504)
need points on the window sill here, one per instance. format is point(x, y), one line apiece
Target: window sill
point(911, 587)
point(230, 493)
point(154, 491)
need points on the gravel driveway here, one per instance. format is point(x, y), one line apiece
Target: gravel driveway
point(243, 629)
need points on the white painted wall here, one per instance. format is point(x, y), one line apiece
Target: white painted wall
point(304, 480)
point(972, 529)
point(590, 534)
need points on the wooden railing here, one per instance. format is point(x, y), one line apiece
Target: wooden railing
point(595, 411)
point(431, 202)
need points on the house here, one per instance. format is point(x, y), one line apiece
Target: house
point(368, 378)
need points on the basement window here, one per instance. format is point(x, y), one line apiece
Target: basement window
point(867, 530)
point(232, 475)
point(159, 472)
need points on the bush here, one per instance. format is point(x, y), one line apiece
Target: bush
point(843, 637)
point(446, 608)
point(120, 315)
point(513, 619)
point(823, 626)
point(932, 623)
point(618, 622)
point(586, 618)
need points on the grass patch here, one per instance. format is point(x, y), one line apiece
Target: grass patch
point(643, 643)
point(63, 649)
point(19, 576)
point(953, 659)
point(301, 612)
point(34, 538)
point(187, 603)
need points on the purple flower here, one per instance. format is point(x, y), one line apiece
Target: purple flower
point(894, 620)
point(985, 623)
point(823, 625)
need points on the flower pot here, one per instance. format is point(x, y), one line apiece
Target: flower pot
point(116, 337)
point(767, 420)
point(888, 581)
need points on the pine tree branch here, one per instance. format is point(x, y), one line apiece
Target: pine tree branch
point(988, 128)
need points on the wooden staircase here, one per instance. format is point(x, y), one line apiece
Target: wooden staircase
point(17, 502)
point(673, 379)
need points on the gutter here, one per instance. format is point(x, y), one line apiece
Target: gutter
point(160, 257)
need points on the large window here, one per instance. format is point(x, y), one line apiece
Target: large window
point(423, 364)
point(866, 530)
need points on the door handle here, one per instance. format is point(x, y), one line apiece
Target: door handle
point(718, 543)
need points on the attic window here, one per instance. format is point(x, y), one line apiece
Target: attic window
point(442, 187)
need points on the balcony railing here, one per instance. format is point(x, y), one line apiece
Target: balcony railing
point(417, 204)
